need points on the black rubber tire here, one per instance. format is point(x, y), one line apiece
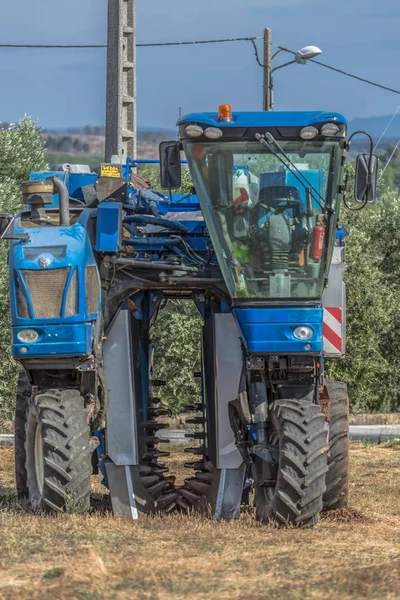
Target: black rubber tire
point(299, 427)
point(24, 392)
point(337, 477)
point(62, 419)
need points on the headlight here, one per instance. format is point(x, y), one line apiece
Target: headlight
point(303, 332)
point(213, 133)
point(44, 262)
point(329, 129)
point(194, 131)
point(308, 133)
point(28, 336)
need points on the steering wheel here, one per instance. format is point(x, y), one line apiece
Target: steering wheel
point(283, 203)
point(279, 196)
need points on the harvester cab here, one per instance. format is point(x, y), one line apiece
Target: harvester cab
point(95, 257)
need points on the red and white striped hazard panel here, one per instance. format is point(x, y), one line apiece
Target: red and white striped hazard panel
point(332, 331)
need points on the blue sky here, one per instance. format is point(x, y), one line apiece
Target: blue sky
point(67, 87)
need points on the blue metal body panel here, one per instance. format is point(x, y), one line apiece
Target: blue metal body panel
point(265, 119)
point(77, 181)
point(270, 330)
point(65, 247)
point(55, 340)
point(108, 231)
point(74, 182)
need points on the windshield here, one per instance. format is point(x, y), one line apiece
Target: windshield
point(271, 227)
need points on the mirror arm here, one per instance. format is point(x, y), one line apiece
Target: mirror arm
point(371, 146)
point(23, 237)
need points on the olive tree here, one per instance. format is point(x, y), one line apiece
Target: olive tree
point(21, 151)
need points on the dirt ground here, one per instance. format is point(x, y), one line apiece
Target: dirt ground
point(350, 554)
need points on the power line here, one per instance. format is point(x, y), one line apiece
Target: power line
point(317, 62)
point(251, 39)
point(239, 39)
point(387, 127)
point(151, 45)
point(389, 160)
point(53, 46)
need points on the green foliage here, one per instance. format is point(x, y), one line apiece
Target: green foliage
point(21, 152)
point(391, 176)
point(152, 173)
point(176, 340)
point(372, 364)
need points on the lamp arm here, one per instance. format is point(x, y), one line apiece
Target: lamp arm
point(284, 65)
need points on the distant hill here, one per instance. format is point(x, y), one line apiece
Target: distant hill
point(376, 125)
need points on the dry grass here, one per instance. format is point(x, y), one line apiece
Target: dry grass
point(350, 554)
point(378, 419)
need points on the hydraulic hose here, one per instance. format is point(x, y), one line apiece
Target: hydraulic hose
point(158, 221)
point(63, 200)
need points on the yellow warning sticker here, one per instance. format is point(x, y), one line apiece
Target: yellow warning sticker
point(110, 171)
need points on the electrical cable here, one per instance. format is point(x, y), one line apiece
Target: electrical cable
point(250, 39)
point(150, 45)
point(387, 127)
point(389, 160)
point(363, 79)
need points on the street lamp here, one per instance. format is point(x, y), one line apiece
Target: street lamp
point(301, 57)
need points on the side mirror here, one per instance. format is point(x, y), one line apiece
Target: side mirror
point(170, 165)
point(5, 220)
point(366, 176)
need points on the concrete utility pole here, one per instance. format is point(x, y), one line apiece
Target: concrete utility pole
point(268, 100)
point(121, 80)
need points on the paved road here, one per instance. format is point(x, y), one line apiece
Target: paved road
point(372, 434)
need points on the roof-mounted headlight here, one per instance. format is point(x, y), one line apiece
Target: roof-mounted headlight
point(213, 133)
point(329, 129)
point(194, 131)
point(308, 133)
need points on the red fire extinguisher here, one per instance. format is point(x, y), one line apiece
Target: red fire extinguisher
point(317, 241)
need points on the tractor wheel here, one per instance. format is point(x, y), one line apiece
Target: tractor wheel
point(337, 477)
point(24, 392)
point(58, 451)
point(298, 433)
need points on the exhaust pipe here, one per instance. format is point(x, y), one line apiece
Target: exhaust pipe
point(63, 199)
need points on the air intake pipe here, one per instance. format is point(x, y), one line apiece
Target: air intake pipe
point(63, 199)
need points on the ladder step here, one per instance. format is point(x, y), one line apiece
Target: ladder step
point(157, 489)
point(158, 412)
point(151, 439)
point(196, 421)
point(160, 471)
point(154, 454)
point(194, 406)
point(196, 435)
point(198, 450)
point(144, 470)
point(197, 486)
point(167, 501)
point(183, 503)
point(154, 400)
point(157, 383)
point(197, 465)
point(205, 477)
point(149, 480)
point(189, 495)
point(153, 425)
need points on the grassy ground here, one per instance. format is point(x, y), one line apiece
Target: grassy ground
point(350, 554)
